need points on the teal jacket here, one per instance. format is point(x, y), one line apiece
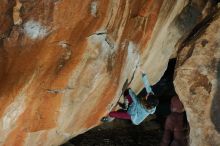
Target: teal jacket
point(137, 111)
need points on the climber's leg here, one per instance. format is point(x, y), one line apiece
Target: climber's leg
point(120, 115)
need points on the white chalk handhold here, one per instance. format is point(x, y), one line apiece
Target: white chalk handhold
point(35, 30)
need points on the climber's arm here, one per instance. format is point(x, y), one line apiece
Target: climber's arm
point(146, 83)
point(133, 95)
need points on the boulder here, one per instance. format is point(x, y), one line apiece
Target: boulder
point(64, 63)
point(197, 83)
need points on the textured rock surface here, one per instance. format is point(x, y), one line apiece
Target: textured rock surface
point(197, 83)
point(64, 62)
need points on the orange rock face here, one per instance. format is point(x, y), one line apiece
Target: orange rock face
point(64, 62)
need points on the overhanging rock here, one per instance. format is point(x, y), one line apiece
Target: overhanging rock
point(64, 62)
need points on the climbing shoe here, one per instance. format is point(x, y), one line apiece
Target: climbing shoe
point(107, 119)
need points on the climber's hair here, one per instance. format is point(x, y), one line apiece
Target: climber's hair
point(151, 102)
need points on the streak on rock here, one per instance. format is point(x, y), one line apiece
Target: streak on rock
point(215, 109)
point(58, 91)
point(93, 8)
point(6, 19)
point(16, 13)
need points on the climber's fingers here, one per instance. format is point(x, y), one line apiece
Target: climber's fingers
point(140, 70)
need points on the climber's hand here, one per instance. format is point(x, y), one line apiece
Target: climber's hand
point(140, 70)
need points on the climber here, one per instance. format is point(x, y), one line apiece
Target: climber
point(136, 109)
point(175, 133)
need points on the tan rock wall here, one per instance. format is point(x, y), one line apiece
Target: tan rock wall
point(197, 84)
